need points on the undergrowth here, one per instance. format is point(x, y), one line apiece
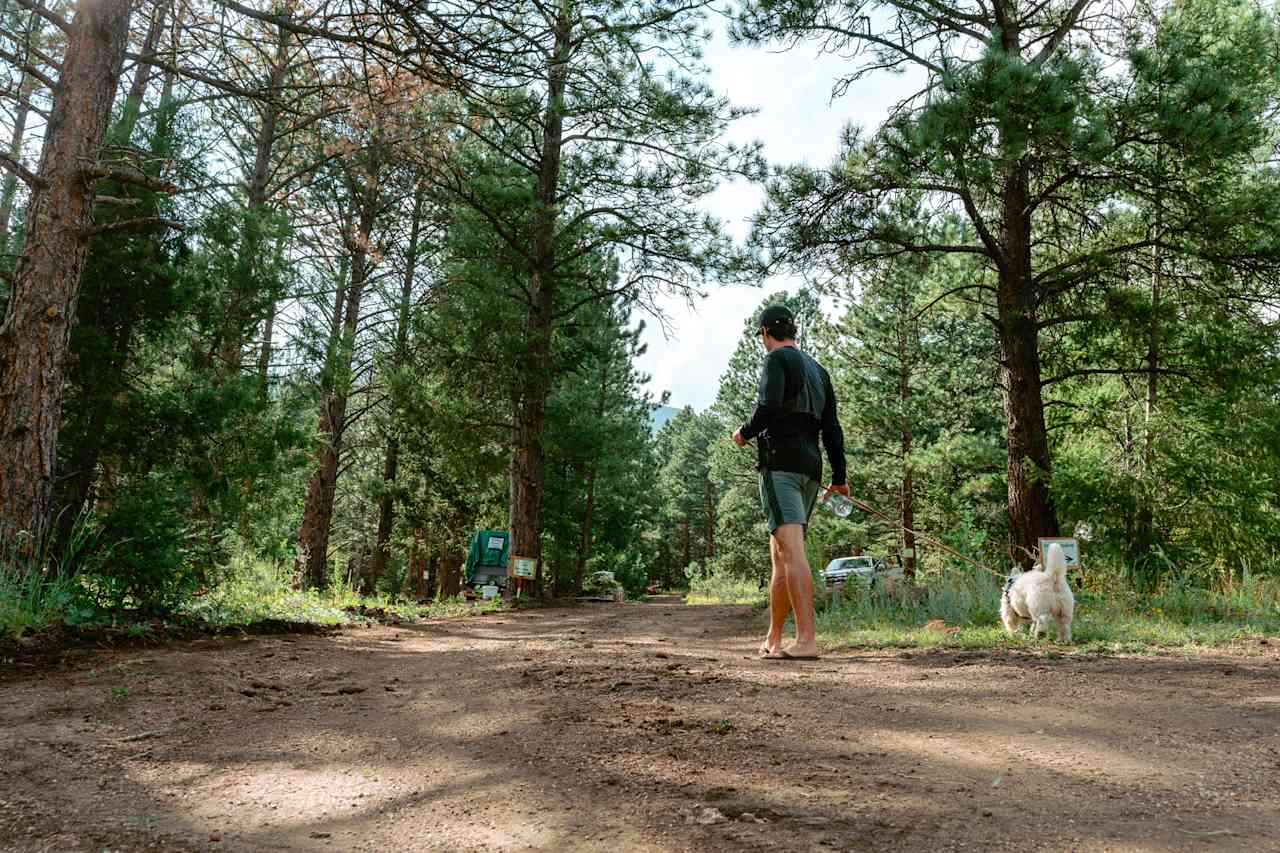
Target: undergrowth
point(962, 610)
point(248, 592)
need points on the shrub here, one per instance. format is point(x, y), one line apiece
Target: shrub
point(141, 559)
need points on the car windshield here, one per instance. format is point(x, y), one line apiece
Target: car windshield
point(849, 563)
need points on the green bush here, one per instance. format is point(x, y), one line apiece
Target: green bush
point(141, 560)
point(724, 588)
point(629, 571)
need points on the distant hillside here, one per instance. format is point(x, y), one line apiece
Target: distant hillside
point(660, 416)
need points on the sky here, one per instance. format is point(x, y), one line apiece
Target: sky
point(798, 123)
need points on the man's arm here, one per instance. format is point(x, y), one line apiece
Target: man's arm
point(773, 382)
point(833, 435)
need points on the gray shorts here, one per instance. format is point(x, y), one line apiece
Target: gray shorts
point(787, 497)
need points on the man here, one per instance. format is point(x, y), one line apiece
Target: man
point(796, 404)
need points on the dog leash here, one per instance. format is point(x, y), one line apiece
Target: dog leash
point(870, 510)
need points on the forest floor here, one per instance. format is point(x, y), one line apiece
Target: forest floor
point(636, 727)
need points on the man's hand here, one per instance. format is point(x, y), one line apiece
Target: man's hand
point(738, 439)
point(842, 489)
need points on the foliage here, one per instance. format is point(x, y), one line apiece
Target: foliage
point(1102, 195)
point(723, 588)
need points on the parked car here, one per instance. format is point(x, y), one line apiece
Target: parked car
point(864, 570)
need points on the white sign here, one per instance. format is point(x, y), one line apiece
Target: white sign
point(1070, 549)
point(496, 543)
point(523, 567)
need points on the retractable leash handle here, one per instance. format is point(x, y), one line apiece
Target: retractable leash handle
point(836, 502)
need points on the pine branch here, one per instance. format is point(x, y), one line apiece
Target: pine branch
point(54, 18)
point(28, 177)
point(28, 69)
point(141, 223)
point(131, 177)
point(1112, 371)
point(110, 199)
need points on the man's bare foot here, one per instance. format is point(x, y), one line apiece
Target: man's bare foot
point(770, 647)
point(809, 650)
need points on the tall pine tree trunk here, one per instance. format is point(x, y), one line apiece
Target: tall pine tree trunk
point(709, 512)
point(908, 505)
point(1031, 510)
point(584, 538)
point(26, 89)
point(312, 566)
point(391, 459)
point(1144, 523)
point(241, 313)
point(588, 513)
point(527, 475)
point(36, 331)
point(76, 484)
point(142, 71)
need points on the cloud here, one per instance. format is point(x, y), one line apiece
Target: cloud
point(798, 123)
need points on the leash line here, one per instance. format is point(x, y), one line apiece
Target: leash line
point(870, 510)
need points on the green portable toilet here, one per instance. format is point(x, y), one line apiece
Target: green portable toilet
point(487, 558)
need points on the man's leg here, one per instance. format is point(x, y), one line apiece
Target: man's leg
point(779, 599)
point(799, 585)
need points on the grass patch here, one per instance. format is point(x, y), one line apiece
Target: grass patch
point(1105, 621)
point(31, 601)
point(724, 589)
point(249, 593)
point(259, 592)
point(964, 609)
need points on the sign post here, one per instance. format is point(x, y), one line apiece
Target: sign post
point(522, 569)
point(1070, 549)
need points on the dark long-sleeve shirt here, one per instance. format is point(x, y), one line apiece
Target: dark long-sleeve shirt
point(796, 404)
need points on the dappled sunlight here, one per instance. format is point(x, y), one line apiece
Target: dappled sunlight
point(603, 728)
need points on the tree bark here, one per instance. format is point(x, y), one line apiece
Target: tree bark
point(688, 551)
point(709, 510)
point(264, 354)
point(584, 539)
point(527, 460)
point(26, 89)
point(1031, 510)
point(240, 313)
point(36, 331)
point(107, 380)
point(1144, 523)
point(451, 574)
point(391, 459)
point(142, 72)
point(312, 566)
point(908, 505)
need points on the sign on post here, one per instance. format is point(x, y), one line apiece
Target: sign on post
point(524, 568)
point(1070, 549)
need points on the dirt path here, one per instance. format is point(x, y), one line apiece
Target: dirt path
point(620, 728)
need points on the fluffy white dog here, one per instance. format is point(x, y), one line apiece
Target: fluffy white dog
point(1040, 596)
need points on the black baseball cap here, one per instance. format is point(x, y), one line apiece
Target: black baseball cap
point(775, 314)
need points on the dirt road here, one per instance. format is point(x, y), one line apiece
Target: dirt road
point(646, 727)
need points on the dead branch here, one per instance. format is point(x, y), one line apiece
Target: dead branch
point(29, 177)
point(131, 177)
point(142, 223)
point(110, 199)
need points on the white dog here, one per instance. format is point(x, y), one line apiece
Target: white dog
point(1039, 597)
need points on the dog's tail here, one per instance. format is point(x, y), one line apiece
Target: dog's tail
point(1055, 562)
